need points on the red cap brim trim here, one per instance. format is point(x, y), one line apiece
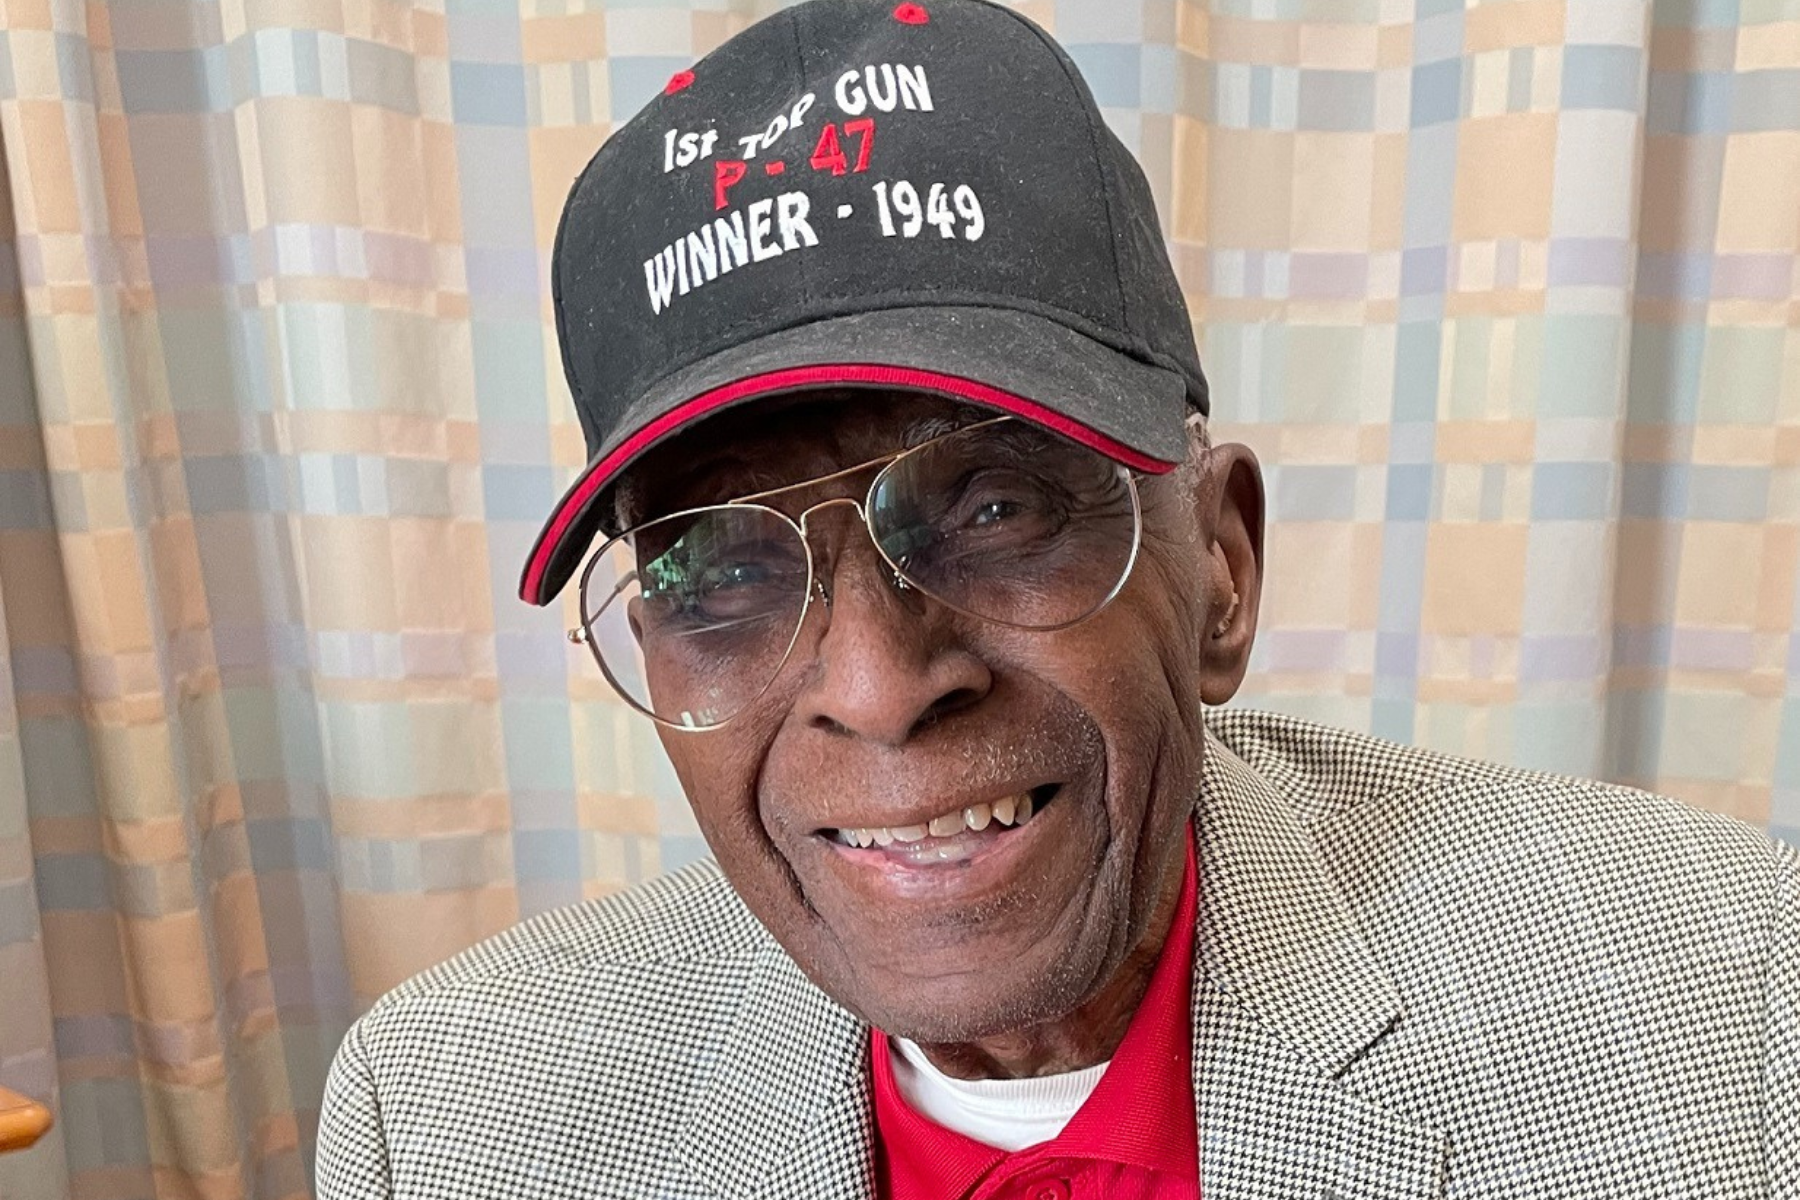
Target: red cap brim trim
point(793, 379)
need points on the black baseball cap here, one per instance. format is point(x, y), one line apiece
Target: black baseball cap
point(864, 193)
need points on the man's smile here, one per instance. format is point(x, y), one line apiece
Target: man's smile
point(931, 839)
point(983, 853)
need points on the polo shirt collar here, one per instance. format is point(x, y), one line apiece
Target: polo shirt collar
point(1125, 1120)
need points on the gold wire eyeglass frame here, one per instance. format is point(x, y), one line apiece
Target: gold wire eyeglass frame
point(583, 633)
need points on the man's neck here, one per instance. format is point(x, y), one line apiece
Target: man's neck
point(1083, 1038)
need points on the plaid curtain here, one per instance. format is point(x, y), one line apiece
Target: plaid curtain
point(1504, 294)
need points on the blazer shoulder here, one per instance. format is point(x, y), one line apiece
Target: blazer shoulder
point(1787, 890)
point(578, 1038)
point(1322, 770)
point(1338, 781)
point(689, 917)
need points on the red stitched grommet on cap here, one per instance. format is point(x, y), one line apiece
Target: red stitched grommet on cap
point(677, 81)
point(912, 14)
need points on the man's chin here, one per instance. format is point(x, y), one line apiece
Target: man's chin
point(1001, 1017)
point(971, 994)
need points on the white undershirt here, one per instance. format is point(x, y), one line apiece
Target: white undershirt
point(1007, 1114)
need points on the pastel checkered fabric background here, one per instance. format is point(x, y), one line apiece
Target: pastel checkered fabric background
point(1503, 293)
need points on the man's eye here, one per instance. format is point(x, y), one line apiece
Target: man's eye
point(694, 586)
point(992, 512)
point(735, 574)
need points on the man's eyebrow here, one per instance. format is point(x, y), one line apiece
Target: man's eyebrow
point(923, 429)
point(714, 477)
point(703, 471)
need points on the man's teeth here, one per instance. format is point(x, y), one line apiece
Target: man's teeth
point(1008, 810)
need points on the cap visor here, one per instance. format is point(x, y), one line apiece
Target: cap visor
point(1013, 361)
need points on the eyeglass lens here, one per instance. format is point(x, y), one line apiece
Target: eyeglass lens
point(692, 617)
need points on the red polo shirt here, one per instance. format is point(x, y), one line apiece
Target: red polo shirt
point(1134, 1138)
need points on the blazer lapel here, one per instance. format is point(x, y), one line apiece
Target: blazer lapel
point(787, 1111)
point(1286, 997)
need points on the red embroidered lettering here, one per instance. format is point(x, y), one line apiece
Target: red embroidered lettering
point(827, 154)
point(726, 174)
point(866, 127)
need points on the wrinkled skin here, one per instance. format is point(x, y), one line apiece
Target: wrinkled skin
point(894, 708)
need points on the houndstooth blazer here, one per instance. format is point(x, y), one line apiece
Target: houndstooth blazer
point(1415, 977)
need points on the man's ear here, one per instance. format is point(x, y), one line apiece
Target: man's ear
point(1231, 515)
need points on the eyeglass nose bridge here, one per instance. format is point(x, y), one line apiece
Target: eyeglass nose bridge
point(857, 505)
point(862, 513)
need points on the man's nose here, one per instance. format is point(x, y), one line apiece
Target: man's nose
point(889, 661)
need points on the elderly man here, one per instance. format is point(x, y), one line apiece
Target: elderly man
point(912, 542)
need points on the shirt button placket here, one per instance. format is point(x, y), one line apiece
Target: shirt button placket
point(1049, 1189)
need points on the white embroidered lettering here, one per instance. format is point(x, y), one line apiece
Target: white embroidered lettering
point(685, 149)
point(761, 226)
point(762, 230)
point(659, 278)
point(734, 247)
point(884, 103)
point(850, 98)
point(792, 208)
point(915, 92)
point(703, 260)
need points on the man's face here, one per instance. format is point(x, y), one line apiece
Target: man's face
point(896, 710)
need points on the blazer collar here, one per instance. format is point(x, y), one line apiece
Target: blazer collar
point(1287, 997)
point(786, 1112)
point(1274, 930)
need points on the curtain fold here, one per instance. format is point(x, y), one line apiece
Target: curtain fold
point(1504, 295)
point(167, 1046)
